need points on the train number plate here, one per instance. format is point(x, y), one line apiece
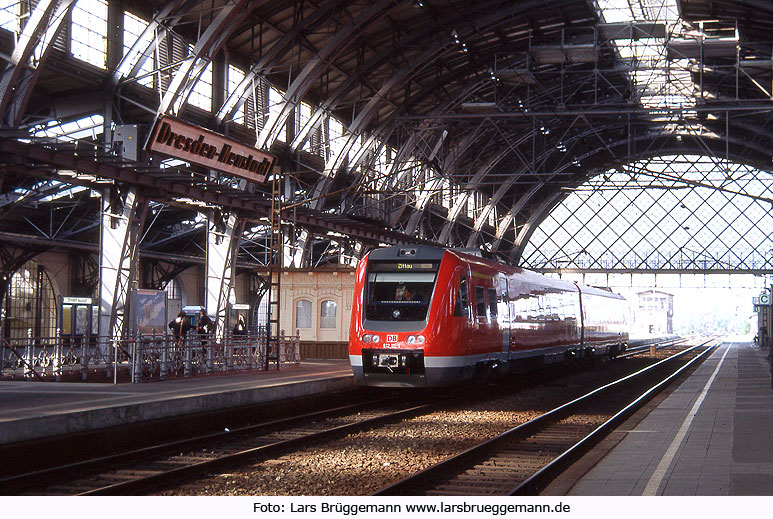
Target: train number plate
point(387, 360)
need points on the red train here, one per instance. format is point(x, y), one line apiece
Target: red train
point(429, 317)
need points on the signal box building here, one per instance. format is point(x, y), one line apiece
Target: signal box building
point(654, 313)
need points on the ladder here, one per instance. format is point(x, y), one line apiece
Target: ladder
point(274, 275)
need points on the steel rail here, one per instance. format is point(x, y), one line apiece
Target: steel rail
point(105, 466)
point(472, 456)
point(53, 474)
point(48, 478)
point(281, 447)
point(272, 449)
point(284, 446)
point(549, 472)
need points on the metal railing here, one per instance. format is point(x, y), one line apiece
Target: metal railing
point(139, 357)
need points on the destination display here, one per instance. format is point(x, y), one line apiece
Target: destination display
point(400, 266)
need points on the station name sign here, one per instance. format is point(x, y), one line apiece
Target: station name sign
point(209, 149)
point(76, 300)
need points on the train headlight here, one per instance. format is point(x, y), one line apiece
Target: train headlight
point(415, 339)
point(368, 338)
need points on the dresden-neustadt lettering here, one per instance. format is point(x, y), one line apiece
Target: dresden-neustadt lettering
point(181, 142)
point(186, 142)
point(242, 162)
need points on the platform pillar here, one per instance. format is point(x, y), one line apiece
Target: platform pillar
point(224, 233)
point(122, 218)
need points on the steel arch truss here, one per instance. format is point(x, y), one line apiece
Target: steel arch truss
point(29, 54)
point(461, 124)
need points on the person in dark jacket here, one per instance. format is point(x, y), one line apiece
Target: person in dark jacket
point(180, 327)
point(205, 326)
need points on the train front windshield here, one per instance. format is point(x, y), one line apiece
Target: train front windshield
point(399, 291)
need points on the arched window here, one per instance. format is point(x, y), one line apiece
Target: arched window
point(327, 315)
point(30, 303)
point(303, 314)
point(173, 289)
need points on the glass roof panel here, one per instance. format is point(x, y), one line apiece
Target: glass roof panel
point(718, 217)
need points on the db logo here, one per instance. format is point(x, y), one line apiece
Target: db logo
point(391, 338)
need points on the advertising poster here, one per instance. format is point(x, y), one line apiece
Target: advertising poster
point(149, 311)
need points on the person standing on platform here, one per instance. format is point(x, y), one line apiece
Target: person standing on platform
point(180, 327)
point(241, 327)
point(204, 326)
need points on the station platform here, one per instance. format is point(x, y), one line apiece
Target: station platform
point(711, 436)
point(32, 410)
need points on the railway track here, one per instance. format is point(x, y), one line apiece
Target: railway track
point(171, 463)
point(152, 467)
point(168, 464)
point(637, 350)
point(524, 459)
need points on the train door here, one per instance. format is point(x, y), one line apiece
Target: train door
point(481, 308)
point(462, 308)
point(503, 312)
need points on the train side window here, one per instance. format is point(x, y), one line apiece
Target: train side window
point(492, 303)
point(516, 311)
point(480, 302)
point(519, 308)
point(534, 307)
point(503, 305)
point(462, 299)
